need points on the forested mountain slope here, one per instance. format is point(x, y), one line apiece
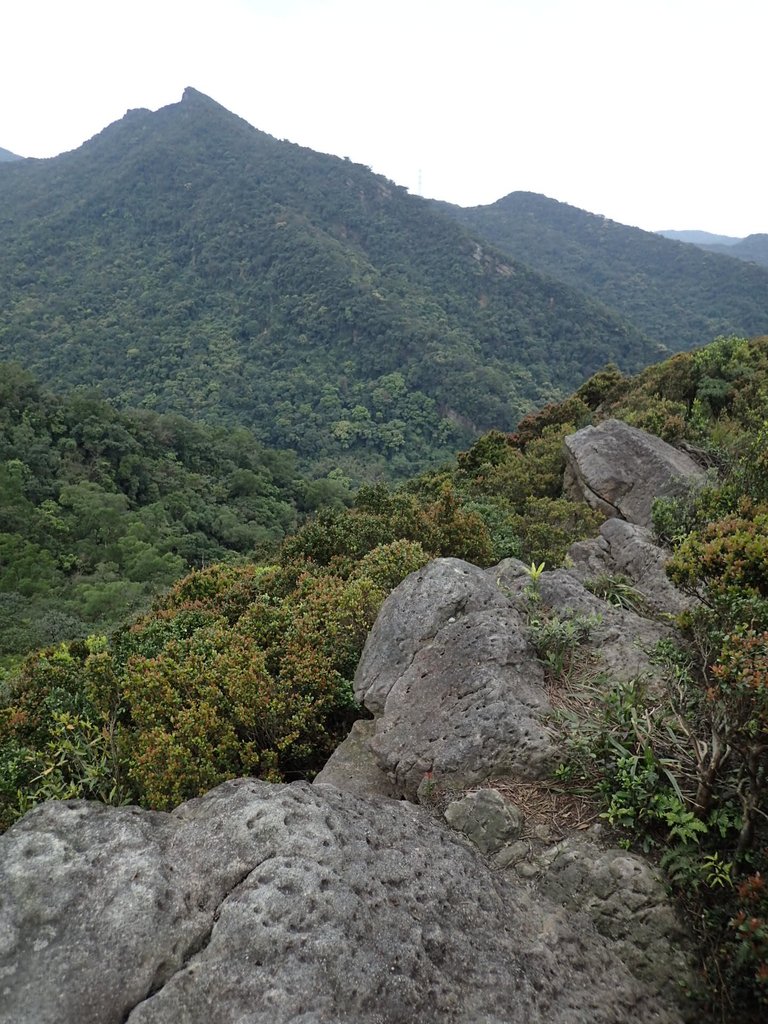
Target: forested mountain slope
point(702, 238)
point(676, 293)
point(752, 249)
point(183, 260)
point(6, 154)
point(99, 509)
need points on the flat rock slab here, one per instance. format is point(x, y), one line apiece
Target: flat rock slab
point(275, 904)
point(621, 470)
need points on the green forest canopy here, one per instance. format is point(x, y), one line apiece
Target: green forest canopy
point(101, 509)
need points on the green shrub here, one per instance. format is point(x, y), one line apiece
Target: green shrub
point(618, 590)
point(725, 556)
point(79, 760)
point(389, 564)
point(226, 590)
point(240, 670)
point(204, 710)
point(546, 528)
point(439, 523)
point(557, 639)
point(657, 415)
point(749, 939)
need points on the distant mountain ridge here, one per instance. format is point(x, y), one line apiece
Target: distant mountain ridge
point(752, 249)
point(7, 155)
point(183, 260)
point(703, 238)
point(673, 292)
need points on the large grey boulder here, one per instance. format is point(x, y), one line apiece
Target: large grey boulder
point(456, 689)
point(275, 904)
point(413, 615)
point(620, 470)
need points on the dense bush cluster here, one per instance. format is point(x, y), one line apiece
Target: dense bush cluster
point(246, 669)
point(238, 671)
point(724, 563)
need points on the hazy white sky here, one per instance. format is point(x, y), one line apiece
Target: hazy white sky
point(651, 112)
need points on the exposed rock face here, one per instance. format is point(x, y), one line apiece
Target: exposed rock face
point(426, 601)
point(294, 903)
point(624, 549)
point(353, 767)
point(626, 901)
point(620, 470)
point(457, 690)
point(619, 891)
point(621, 640)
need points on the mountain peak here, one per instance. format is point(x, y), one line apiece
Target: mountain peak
point(195, 105)
point(191, 95)
point(193, 98)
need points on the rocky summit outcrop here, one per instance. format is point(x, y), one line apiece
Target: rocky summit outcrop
point(620, 470)
point(455, 686)
point(293, 903)
point(406, 885)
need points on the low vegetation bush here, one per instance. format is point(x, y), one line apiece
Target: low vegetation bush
point(238, 671)
point(246, 669)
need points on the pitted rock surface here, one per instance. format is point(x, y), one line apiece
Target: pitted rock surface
point(413, 614)
point(620, 470)
point(276, 904)
point(470, 705)
point(627, 902)
point(457, 690)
